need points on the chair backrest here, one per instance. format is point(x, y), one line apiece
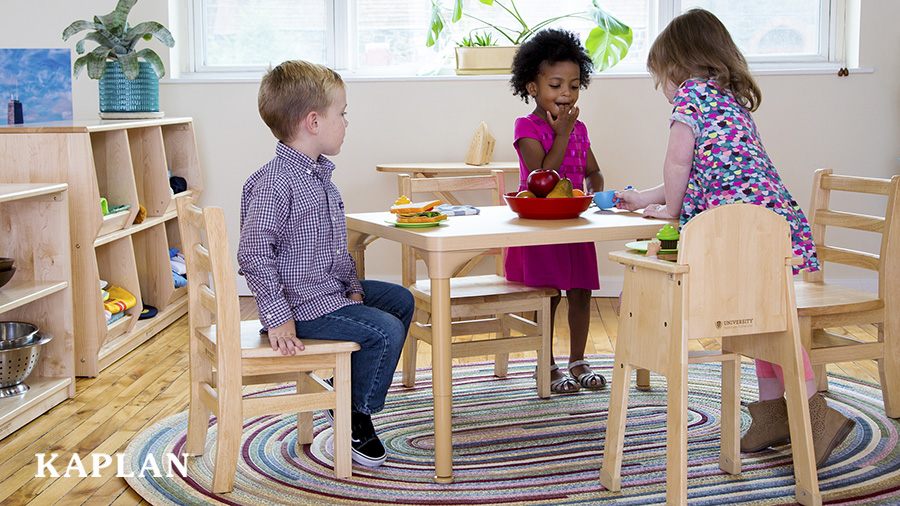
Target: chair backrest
point(740, 276)
point(210, 260)
point(495, 183)
point(823, 216)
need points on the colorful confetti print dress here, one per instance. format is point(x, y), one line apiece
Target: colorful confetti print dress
point(730, 163)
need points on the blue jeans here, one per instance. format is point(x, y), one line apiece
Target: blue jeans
point(379, 325)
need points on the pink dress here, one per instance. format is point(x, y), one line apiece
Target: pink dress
point(562, 266)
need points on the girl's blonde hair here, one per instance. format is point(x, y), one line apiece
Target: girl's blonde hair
point(293, 89)
point(697, 44)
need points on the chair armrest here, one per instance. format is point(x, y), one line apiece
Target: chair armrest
point(632, 257)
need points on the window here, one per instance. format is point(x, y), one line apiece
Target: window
point(385, 37)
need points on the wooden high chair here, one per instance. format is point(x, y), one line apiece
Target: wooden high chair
point(732, 280)
point(490, 299)
point(231, 353)
point(822, 305)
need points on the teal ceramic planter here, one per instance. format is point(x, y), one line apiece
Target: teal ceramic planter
point(120, 94)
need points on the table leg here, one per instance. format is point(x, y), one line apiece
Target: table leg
point(442, 381)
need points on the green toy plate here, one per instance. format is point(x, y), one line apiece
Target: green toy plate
point(642, 247)
point(417, 225)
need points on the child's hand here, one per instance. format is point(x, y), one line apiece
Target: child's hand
point(564, 123)
point(658, 211)
point(628, 200)
point(653, 248)
point(355, 296)
point(284, 338)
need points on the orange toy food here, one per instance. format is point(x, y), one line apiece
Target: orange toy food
point(417, 212)
point(577, 193)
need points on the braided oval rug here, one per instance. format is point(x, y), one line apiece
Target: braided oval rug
point(512, 448)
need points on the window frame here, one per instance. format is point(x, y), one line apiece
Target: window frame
point(342, 45)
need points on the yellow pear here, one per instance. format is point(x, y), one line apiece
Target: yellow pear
point(563, 189)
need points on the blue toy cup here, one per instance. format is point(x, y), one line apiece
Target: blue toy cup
point(605, 200)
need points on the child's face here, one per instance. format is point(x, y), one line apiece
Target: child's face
point(556, 87)
point(333, 124)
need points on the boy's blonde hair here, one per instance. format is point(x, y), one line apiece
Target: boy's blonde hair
point(290, 91)
point(697, 44)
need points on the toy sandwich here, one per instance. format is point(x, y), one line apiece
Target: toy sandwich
point(417, 212)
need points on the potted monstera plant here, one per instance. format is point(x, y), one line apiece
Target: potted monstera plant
point(607, 43)
point(129, 77)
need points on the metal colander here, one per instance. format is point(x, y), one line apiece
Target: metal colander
point(15, 334)
point(16, 364)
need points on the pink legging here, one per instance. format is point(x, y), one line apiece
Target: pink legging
point(769, 370)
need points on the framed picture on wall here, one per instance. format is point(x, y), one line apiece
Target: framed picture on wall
point(36, 84)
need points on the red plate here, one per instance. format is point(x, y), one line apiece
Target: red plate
point(548, 209)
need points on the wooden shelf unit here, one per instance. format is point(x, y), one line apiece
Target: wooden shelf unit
point(35, 223)
point(126, 162)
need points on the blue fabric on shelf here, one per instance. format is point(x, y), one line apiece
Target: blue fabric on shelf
point(179, 280)
point(115, 316)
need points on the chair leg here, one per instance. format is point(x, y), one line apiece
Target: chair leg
point(807, 487)
point(501, 360)
point(821, 374)
point(889, 365)
point(228, 439)
point(198, 427)
point(642, 380)
point(806, 333)
point(198, 412)
point(676, 436)
point(304, 418)
point(410, 348)
point(543, 355)
point(611, 470)
point(342, 463)
point(730, 456)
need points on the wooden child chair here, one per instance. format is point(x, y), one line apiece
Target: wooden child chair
point(490, 299)
point(822, 305)
point(226, 353)
point(732, 280)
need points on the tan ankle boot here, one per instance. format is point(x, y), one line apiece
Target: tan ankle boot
point(769, 425)
point(829, 427)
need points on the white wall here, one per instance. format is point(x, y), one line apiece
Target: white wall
point(850, 124)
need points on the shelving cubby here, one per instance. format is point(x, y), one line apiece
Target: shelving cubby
point(127, 163)
point(35, 223)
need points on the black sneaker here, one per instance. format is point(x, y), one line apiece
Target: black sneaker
point(365, 446)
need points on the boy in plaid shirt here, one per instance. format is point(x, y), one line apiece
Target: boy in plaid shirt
point(293, 246)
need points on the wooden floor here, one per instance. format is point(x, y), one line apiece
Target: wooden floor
point(151, 383)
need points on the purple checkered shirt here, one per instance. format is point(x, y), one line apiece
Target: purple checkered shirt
point(293, 246)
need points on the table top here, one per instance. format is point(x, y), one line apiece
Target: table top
point(446, 168)
point(498, 226)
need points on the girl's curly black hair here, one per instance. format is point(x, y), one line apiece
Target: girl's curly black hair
point(550, 46)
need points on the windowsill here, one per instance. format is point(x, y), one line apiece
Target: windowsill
point(349, 76)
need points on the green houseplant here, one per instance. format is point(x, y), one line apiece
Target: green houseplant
point(607, 43)
point(116, 57)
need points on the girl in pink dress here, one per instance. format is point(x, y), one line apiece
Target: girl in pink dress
point(551, 68)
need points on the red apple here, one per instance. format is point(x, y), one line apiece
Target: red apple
point(541, 181)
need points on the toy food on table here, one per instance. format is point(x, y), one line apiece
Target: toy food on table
point(668, 237)
point(417, 212)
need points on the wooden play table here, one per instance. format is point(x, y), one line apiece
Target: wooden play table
point(447, 247)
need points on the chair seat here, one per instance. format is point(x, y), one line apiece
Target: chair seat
point(255, 345)
point(817, 299)
point(489, 285)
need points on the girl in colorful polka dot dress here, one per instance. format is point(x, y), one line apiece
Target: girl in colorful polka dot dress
point(715, 157)
point(551, 68)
